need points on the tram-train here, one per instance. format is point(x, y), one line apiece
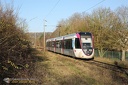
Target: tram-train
point(78, 45)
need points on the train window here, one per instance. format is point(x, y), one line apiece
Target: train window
point(52, 43)
point(68, 44)
point(57, 44)
point(47, 44)
point(64, 44)
point(77, 43)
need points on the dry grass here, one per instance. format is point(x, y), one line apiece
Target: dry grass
point(61, 70)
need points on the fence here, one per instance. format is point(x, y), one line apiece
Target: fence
point(112, 54)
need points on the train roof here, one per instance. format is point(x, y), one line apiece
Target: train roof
point(69, 36)
point(87, 33)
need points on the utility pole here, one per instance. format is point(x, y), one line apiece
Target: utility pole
point(44, 34)
point(35, 39)
point(59, 28)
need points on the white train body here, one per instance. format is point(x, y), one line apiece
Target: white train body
point(79, 45)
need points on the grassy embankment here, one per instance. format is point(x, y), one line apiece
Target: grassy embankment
point(56, 69)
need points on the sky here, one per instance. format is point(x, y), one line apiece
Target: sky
point(38, 13)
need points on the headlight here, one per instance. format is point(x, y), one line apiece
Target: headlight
point(90, 49)
point(85, 50)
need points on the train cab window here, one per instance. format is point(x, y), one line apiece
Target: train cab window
point(86, 45)
point(77, 43)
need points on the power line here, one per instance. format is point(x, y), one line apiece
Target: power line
point(94, 5)
point(52, 8)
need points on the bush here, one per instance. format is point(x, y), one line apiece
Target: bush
point(15, 49)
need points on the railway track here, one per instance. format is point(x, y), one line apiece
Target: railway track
point(114, 67)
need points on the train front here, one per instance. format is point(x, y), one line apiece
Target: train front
point(86, 44)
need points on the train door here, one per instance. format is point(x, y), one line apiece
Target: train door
point(77, 47)
point(73, 47)
point(62, 46)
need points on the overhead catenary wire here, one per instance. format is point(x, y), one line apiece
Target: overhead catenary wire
point(59, 1)
point(46, 21)
point(94, 5)
point(52, 9)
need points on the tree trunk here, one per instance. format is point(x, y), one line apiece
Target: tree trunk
point(123, 55)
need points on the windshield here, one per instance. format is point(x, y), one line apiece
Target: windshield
point(86, 45)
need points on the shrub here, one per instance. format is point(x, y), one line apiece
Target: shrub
point(15, 49)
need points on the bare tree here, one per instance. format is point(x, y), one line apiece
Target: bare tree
point(102, 19)
point(122, 32)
